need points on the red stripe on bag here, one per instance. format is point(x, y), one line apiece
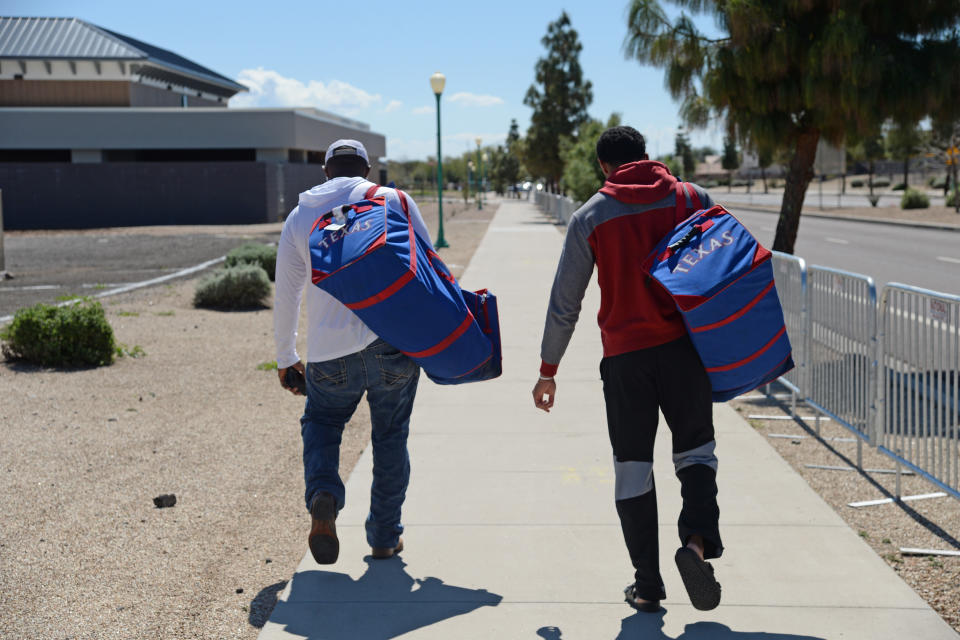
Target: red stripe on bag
point(446, 342)
point(738, 314)
point(383, 295)
point(728, 367)
point(372, 191)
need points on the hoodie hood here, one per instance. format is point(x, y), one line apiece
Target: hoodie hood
point(640, 182)
point(324, 196)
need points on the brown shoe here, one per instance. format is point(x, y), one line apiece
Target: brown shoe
point(323, 541)
point(382, 553)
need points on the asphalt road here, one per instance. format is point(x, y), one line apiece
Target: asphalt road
point(927, 258)
point(48, 265)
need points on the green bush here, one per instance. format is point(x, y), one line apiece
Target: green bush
point(953, 198)
point(243, 286)
point(899, 187)
point(881, 182)
point(857, 183)
point(913, 199)
point(263, 255)
point(74, 335)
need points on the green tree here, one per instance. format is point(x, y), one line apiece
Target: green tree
point(764, 160)
point(867, 149)
point(559, 98)
point(904, 140)
point(731, 158)
point(511, 160)
point(684, 151)
point(787, 73)
point(582, 176)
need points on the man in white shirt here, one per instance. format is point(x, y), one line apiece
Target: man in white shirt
point(344, 360)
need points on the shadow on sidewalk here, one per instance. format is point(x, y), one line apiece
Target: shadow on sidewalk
point(385, 602)
point(650, 627)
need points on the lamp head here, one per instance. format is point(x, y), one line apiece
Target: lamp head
point(479, 140)
point(437, 82)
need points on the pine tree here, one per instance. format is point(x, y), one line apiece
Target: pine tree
point(559, 98)
point(730, 159)
point(904, 140)
point(787, 73)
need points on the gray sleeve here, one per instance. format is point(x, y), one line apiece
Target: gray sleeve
point(705, 200)
point(569, 284)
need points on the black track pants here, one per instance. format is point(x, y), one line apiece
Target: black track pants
point(669, 378)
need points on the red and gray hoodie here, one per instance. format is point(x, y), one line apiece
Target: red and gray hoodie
point(616, 229)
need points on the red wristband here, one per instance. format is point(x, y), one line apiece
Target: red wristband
point(548, 370)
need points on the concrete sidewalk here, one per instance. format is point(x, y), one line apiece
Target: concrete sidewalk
point(511, 530)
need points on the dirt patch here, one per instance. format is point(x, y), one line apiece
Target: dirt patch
point(86, 553)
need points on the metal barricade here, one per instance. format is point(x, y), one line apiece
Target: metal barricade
point(790, 275)
point(919, 416)
point(841, 353)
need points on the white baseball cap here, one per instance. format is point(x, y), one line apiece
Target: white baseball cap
point(346, 148)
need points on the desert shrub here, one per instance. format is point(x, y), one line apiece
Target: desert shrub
point(264, 255)
point(899, 187)
point(74, 335)
point(881, 182)
point(913, 199)
point(857, 183)
point(243, 286)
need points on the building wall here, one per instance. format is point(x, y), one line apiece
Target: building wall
point(144, 95)
point(77, 196)
point(65, 93)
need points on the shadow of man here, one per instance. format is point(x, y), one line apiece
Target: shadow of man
point(385, 602)
point(650, 627)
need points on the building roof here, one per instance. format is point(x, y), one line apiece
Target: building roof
point(75, 39)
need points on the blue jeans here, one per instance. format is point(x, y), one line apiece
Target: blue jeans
point(334, 389)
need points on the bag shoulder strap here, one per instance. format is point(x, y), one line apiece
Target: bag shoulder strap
point(682, 192)
point(372, 191)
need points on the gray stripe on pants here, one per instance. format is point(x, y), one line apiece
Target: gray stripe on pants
point(633, 478)
point(701, 455)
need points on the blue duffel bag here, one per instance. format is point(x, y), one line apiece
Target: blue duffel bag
point(367, 255)
point(721, 280)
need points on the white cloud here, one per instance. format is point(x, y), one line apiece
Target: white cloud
point(475, 100)
point(270, 89)
point(393, 105)
point(419, 111)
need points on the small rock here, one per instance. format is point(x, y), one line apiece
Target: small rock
point(239, 590)
point(268, 561)
point(164, 501)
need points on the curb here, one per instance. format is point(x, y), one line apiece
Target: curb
point(943, 226)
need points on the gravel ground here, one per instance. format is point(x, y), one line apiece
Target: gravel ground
point(923, 524)
point(85, 553)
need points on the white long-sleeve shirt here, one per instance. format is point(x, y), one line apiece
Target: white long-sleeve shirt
point(334, 331)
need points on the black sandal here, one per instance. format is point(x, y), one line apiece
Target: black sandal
point(630, 596)
point(697, 575)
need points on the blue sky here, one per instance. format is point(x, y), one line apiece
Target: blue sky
point(372, 61)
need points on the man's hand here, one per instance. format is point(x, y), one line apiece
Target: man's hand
point(282, 373)
point(543, 388)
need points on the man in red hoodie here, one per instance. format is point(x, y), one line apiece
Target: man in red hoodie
point(649, 363)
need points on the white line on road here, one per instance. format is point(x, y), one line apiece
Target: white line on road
point(837, 240)
point(948, 259)
point(144, 283)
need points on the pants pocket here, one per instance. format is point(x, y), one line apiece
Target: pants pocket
point(330, 373)
point(395, 368)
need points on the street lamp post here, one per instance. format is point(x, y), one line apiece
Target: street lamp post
point(469, 180)
point(483, 169)
point(479, 173)
point(437, 81)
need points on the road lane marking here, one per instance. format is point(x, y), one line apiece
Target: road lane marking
point(837, 240)
point(948, 259)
